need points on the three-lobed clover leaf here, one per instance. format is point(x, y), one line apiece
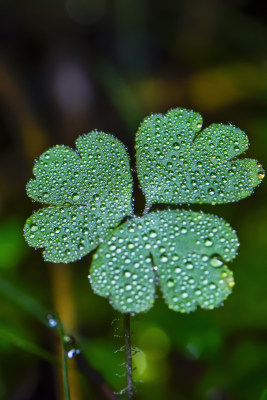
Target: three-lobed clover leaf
point(88, 191)
point(176, 163)
point(183, 252)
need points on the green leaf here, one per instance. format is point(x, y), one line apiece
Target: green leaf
point(88, 192)
point(177, 163)
point(183, 252)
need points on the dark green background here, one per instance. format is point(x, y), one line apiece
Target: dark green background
point(70, 67)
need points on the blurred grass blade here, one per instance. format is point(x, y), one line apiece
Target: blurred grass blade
point(23, 300)
point(120, 95)
point(25, 345)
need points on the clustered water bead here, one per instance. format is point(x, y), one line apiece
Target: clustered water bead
point(190, 267)
point(176, 163)
point(51, 320)
point(70, 346)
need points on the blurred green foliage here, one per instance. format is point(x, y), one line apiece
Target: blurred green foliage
point(12, 246)
point(70, 67)
point(264, 395)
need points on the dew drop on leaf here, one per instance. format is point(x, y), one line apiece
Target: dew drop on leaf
point(76, 197)
point(170, 283)
point(34, 228)
point(216, 261)
point(208, 242)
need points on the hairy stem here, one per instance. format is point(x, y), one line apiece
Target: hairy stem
point(128, 353)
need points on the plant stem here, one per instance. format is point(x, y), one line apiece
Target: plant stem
point(61, 334)
point(65, 375)
point(128, 353)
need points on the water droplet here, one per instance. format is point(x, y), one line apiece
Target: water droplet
point(261, 175)
point(212, 286)
point(152, 234)
point(175, 257)
point(163, 258)
point(216, 261)
point(73, 352)
point(170, 283)
point(189, 265)
point(76, 197)
point(208, 242)
point(231, 282)
point(127, 274)
point(176, 146)
point(128, 287)
point(34, 228)
point(224, 274)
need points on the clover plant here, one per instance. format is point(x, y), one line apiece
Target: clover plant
point(89, 205)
